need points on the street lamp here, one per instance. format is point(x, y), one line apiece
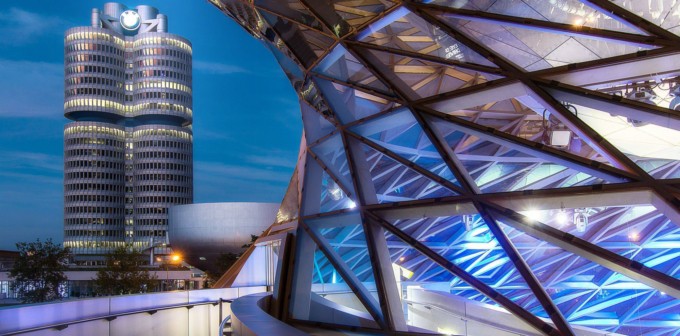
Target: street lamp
point(175, 259)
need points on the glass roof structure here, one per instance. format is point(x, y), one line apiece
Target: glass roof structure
point(523, 153)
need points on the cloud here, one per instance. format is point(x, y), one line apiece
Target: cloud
point(20, 162)
point(274, 159)
point(215, 68)
point(221, 171)
point(219, 182)
point(18, 26)
point(31, 89)
point(26, 180)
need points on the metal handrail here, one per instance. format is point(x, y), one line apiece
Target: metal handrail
point(110, 317)
point(223, 323)
point(465, 318)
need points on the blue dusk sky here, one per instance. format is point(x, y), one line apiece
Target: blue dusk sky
point(246, 121)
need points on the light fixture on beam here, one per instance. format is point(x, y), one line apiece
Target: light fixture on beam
point(560, 137)
point(468, 221)
point(581, 219)
point(555, 133)
point(643, 95)
point(675, 93)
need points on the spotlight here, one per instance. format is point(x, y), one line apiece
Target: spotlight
point(351, 204)
point(634, 236)
point(642, 95)
point(561, 217)
point(560, 138)
point(533, 215)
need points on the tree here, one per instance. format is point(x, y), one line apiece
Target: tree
point(124, 274)
point(38, 273)
point(223, 262)
point(253, 238)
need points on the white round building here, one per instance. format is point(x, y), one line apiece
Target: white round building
point(202, 232)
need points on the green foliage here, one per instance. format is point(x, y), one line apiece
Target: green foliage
point(124, 274)
point(225, 261)
point(253, 238)
point(221, 265)
point(38, 273)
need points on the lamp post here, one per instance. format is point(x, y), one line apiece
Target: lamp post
point(175, 259)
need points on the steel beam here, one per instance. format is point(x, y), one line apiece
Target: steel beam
point(407, 163)
point(345, 271)
point(480, 286)
point(388, 293)
point(524, 270)
point(547, 26)
point(535, 149)
point(632, 269)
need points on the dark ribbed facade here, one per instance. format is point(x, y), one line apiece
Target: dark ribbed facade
point(128, 152)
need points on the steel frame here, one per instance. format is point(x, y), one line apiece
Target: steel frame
point(612, 184)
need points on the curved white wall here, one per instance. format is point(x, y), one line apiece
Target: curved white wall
point(210, 229)
point(172, 317)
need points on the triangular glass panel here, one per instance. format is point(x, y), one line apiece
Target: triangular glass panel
point(661, 13)
point(593, 296)
point(638, 232)
point(332, 300)
point(287, 61)
point(320, 43)
point(465, 240)
point(495, 167)
point(661, 168)
point(394, 182)
point(332, 153)
point(404, 30)
point(349, 242)
point(315, 124)
point(329, 195)
point(520, 116)
point(400, 133)
point(644, 138)
point(357, 13)
point(306, 44)
point(351, 104)
point(293, 10)
point(421, 278)
point(254, 23)
point(342, 65)
point(533, 49)
point(572, 12)
point(290, 205)
point(427, 78)
point(310, 94)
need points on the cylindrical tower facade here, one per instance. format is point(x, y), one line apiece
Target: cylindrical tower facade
point(93, 186)
point(128, 153)
point(163, 176)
